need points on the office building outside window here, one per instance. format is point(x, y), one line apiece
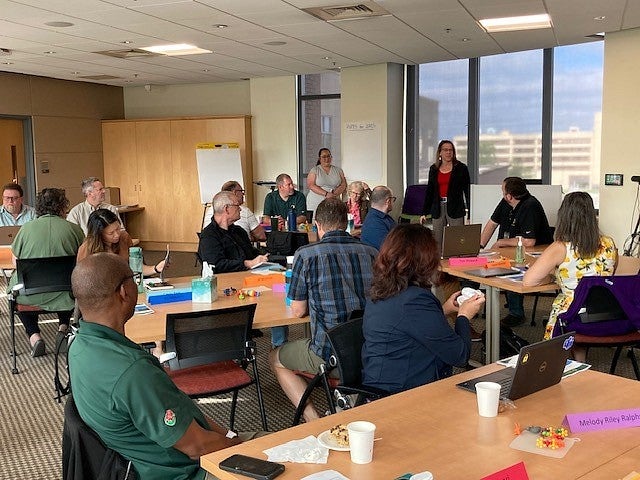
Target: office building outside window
point(319, 120)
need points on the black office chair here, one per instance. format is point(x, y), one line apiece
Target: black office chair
point(346, 342)
point(37, 275)
point(85, 456)
point(208, 353)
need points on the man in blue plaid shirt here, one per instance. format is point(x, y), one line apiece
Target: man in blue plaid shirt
point(330, 280)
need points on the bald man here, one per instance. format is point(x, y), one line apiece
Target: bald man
point(122, 392)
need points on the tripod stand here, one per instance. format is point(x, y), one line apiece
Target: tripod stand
point(632, 245)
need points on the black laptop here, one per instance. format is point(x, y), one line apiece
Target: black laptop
point(539, 366)
point(461, 240)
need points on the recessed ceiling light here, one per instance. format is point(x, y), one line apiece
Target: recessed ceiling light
point(508, 24)
point(219, 25)
point(326, 58)
point(49, 52)
point(176, 49)
point(75, 73)
point(59, 24)
point(205, 69)
point(465, 39)
point(7, 63)
point(126, 42)
point(275, 43)
point(128, 81)
point(599, 18)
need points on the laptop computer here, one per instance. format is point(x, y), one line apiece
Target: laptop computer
point(539, 366)
point(461, 240)
point(7, 234)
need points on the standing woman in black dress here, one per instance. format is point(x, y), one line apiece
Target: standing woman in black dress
point(448, 191)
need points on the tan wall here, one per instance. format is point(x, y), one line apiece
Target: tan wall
point(620, 120)
point(66, 125)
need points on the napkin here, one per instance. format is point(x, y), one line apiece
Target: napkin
point(305, 450)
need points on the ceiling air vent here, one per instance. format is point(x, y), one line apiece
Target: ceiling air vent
point(347, 12)
point(98, 77)
point(128, 53)
point(5, 52)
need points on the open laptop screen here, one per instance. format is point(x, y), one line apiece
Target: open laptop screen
point(461, 240)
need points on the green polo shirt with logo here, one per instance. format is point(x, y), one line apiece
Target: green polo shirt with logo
point(126, 397)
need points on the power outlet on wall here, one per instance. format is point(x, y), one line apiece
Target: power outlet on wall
point(44, 166)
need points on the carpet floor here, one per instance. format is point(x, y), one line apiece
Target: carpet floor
point(30, 434)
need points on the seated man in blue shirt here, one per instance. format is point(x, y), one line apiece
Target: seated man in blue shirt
point(13, 212)
point(330, 280)
point(378, 222)
point(122, 392)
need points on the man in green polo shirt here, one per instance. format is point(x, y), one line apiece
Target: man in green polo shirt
point(278, 202)
point(122, 392)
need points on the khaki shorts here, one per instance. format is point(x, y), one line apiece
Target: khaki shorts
point(297, 355)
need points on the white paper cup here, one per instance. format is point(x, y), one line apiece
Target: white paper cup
point(488, 394)
point(422, 476)
point(361, 441)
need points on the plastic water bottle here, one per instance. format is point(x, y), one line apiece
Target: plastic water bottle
point(519, 252)
point(135, 264)
point(287, 282)
point(292, 219)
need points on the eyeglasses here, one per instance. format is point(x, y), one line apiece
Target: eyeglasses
point(233, 205)
point(393, 199)
point(10, 199)
point(239, 191)
point(326, 156)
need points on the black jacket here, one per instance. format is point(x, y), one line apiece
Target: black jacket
point(226, 250)
point(459, 187)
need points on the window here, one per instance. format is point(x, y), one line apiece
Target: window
point(575, 150)
point(442, 111)
point(318, 120)
point(510, 140)
point(510, 98)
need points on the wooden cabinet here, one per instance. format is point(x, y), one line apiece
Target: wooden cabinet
point(154, 164)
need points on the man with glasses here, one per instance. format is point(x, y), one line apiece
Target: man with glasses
point(247, 220)
point(378, 222)
point(13, 212)
point(224, 245)
point(122, 392)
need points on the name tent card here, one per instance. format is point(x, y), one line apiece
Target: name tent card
point(602, 420)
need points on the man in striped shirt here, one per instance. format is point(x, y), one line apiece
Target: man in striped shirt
point(330, 279)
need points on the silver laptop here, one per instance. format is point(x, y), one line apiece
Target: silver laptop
point(461, 240)
point(539, 366)
point(7, 234)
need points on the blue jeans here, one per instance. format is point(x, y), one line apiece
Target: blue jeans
point(279, 335)
point(515, 303)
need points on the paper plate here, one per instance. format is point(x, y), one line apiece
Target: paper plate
point(326, 440)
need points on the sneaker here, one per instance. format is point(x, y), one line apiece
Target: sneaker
point(38, 349)
point(512, 321)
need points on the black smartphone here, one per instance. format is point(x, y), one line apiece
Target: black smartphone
point(251, 467)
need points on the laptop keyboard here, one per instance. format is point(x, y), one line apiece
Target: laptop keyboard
point(505, 386)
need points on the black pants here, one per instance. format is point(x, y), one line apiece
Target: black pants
point(30, 320)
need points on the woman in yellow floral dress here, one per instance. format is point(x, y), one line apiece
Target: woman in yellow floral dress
point(579, 250)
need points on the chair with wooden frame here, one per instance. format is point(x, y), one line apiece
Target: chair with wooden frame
point(605, 312)
point(37, 275)
point(208, 353)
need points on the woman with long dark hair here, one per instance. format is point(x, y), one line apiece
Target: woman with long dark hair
point(579, 250)
point(448, 190)
point(105, 234)
point(325, 180)
point(408, 341)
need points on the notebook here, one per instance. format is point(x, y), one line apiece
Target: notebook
point(7, 234)
point(539, 366)
point(461, 240)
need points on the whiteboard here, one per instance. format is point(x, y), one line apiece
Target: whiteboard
point(485, 199)
point(216, 166)
point(362, 150)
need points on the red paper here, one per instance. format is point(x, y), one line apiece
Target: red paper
point(514, 472)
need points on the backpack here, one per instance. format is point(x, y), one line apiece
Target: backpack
point(510, 343)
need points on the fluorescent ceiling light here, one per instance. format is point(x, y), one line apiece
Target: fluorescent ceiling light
point(508, 24)
point(175, 49)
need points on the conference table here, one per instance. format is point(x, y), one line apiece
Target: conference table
point(436, 427)
point(492, 287)
point(270, 312)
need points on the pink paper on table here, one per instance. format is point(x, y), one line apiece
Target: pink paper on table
point(514, 472)
point(602, 420)
point(278, 287)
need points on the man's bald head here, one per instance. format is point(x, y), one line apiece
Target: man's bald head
point(97, 278)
